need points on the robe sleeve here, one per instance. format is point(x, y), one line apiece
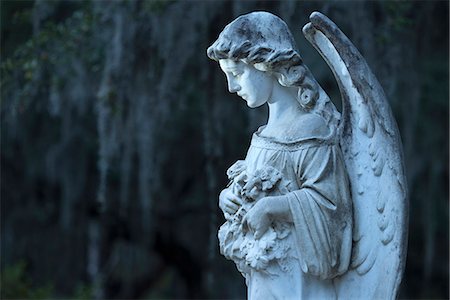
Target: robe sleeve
point(322, 211)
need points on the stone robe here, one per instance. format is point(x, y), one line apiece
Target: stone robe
point(299, 259)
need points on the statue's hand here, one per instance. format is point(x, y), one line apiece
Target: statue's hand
point(229, 203)
point(260, 216)
point(257, 219)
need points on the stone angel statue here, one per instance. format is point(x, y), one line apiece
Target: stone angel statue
point(318, 207)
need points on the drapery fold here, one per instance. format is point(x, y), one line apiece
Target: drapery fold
point(320, 210)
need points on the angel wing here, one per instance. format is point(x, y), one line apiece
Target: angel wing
point(372, 150)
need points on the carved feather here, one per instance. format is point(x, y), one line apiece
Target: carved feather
point(372, 151)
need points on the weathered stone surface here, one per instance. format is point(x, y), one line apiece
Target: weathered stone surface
point(318, 207)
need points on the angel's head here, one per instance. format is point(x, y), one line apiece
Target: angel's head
point(263, 41)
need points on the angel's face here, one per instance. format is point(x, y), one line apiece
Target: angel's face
point(252, 85)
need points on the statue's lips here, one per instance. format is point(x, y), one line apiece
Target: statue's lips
point(241, 95)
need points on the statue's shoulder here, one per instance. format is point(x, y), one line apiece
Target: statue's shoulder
point(307, 126)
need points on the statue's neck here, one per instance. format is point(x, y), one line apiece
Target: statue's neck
point(283, 109)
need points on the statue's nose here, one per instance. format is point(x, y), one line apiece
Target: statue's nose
point(233, 87)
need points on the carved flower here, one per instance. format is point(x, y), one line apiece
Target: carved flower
point(238, 176)
point(252, 190)
point(239, 246)
point(261, 182)
point(259, 252)
point(236, 169)
point(269, 177)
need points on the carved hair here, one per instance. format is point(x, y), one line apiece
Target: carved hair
point(263, 40)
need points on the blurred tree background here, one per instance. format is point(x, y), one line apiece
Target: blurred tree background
point(116, 131)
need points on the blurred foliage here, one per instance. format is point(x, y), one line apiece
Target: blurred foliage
point(116, 131)
point(16, 285)
point(157, 6)
point(45, 51)
point(15, 25)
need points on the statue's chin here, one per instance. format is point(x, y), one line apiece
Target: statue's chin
point(253, 105)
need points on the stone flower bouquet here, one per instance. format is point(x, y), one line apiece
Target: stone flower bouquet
point(240, 245)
